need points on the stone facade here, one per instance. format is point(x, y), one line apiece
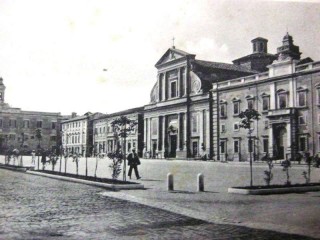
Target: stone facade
point(104, 136)
point(287, 97)
point(18, 127)
point(178, 119)
point(77, 134)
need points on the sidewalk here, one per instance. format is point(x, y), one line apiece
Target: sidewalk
point(289, 213)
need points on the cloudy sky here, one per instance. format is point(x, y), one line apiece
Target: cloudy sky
point(52, 53)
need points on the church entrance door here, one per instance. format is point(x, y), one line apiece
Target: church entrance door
point(173, 146)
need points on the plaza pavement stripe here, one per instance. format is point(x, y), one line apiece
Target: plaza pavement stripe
point(168, 207)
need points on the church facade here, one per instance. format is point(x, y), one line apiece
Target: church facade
point(178, 119)
point(195, 105)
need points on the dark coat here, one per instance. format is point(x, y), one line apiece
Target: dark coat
point(133, 159)
point(43, 157)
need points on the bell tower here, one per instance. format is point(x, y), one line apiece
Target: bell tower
point(2, 90)
point(288, 49)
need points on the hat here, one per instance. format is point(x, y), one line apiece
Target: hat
point(133, 149)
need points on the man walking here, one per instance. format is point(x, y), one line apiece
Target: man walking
point(133, 162)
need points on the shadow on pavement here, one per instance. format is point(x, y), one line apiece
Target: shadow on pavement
point(151, 180)
point(185, 192)
point(210, 192)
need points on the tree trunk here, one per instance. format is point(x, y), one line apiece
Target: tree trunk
point(95, 172)
point(60, 163)
point(65, 164)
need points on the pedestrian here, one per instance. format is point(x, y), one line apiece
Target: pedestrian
point(133, 162)
point(33, 158)
point(43, 159)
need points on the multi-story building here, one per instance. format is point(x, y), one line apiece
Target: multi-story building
point(77, 133)
point(104, 138)
point(18, 127)
point(288, 98)
point(178, 119)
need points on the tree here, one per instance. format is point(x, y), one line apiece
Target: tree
point(247, 118)
point(308, 160)
point(115, 166)
point(66, 155)
point(23, 139)
point(122, 126)
point(268, 173)
point(53, 159)
point(76, 160)
point(316, 161)
point(38, 137)
point(286, 164)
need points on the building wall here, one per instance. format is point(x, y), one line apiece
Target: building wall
point(104, 136)
point(298, 122)
point(74, 136)
point(18, 129)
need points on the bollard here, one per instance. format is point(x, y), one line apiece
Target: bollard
point(170, 181)
point(200, 182)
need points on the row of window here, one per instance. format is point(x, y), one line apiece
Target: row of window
point(73, 139)
point(302, 145)
point(282, 102)
point(100, 130)
point(12, 137)
point(72, 125)
point(302, 120)
point(13, 123)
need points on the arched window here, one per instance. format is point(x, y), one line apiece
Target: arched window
point(302, 97)
point(250, 101)
point(236, 106)
point(265, 102)
point(282, 99)
point(223, 109)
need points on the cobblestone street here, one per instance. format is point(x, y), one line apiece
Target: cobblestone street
point(40, 208)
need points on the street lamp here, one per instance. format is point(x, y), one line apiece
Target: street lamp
point(87, 143)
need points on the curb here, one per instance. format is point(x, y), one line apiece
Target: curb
point(14, 168)
point(274, 191)
point(113, 187)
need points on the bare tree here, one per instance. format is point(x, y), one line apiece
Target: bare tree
point(247, 118)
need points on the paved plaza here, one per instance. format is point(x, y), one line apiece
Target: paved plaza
point(155, 213)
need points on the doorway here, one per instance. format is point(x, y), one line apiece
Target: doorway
point(195, 148)
point(154, 148)
point(280, 142)
point(173, 146)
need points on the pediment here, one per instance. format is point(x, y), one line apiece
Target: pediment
point(170, 55)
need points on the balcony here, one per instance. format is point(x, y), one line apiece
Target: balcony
point(281, 112)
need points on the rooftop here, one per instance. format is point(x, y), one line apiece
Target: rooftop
point(224, 66)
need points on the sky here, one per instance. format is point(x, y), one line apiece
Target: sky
point(99, 55)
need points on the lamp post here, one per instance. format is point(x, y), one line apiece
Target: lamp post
point(124, 154)
point(87, 143)
point(60, 149)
